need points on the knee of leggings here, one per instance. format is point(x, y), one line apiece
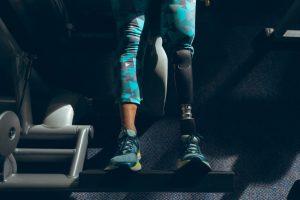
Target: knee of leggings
point(183, 58)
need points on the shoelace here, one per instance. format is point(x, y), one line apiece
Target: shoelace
point(192, 147)
point(126, 145)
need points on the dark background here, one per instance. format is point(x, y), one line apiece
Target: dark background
point(247, 111)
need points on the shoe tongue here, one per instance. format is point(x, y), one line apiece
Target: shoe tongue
point(185, 138)
point(129, 132)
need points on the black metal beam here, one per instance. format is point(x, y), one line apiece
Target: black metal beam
point(155, 181)
point(294, 193)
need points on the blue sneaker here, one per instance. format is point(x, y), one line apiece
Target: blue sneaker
point(192, 157)
point(128, 154)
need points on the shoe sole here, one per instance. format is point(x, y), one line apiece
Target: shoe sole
point(137, 166)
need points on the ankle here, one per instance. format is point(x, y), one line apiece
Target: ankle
point(130, 131)
point(131, 128)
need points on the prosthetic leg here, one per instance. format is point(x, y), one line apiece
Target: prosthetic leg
point(192, 156)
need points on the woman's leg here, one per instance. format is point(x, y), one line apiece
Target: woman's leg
point(181, 32)
point(130, 18)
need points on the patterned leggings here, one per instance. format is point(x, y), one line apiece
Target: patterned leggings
point(179, 16)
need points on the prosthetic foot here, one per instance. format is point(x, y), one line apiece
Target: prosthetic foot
point(191, 159)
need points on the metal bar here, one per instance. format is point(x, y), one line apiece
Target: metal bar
point(22, 91)
point(291, 17)
point(32, 181)
point(53, 155)
point(12, 46)
point(2, 159)
point(7, 103)
point(41, 132)
point(81, 148)
point(45, 152)
point(292, 33)
point(10, 100)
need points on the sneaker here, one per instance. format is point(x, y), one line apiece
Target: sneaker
point(192, 156)
point(128, 153)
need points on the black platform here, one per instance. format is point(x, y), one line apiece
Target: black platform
point(295, 191)
point(155, 181)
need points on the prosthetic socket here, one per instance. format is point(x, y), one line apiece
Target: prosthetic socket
point(184, 76)
point(184, 86)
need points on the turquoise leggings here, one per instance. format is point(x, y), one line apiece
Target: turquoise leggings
point(179, 16)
